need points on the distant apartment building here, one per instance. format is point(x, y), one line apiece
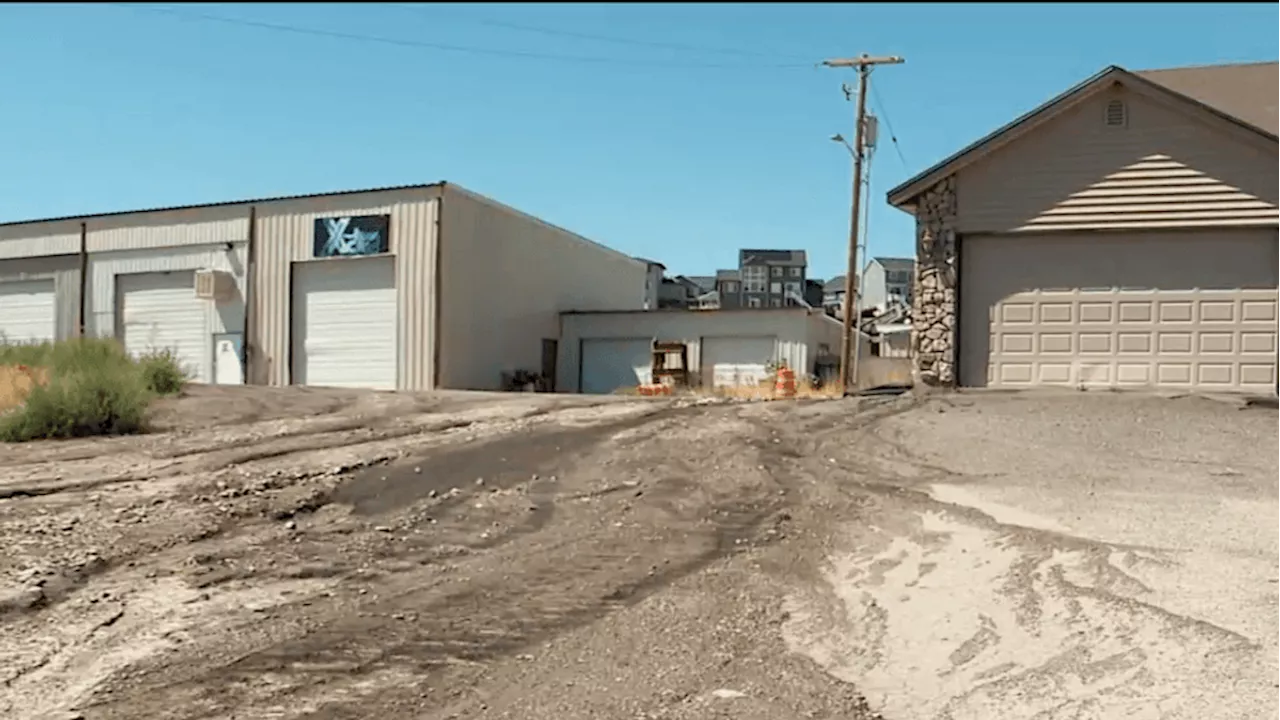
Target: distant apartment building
point(764, 279)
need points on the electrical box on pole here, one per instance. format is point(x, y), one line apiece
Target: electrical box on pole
point(870, 132)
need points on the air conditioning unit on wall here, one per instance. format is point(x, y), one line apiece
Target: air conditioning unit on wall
point(215, 285)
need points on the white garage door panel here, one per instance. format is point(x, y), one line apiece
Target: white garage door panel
point(737, 361)
point(28, 311)
point(1192, 310)
point(160, 311)
point(612, 363)
point(345, 323)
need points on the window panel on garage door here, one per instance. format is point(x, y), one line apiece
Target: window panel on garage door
point(28, 311)
point(1186, 309)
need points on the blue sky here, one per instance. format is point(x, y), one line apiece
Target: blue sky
point(651, 148)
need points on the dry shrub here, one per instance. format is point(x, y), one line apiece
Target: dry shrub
point(16, 383)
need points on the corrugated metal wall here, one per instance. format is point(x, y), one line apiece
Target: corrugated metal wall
point(40, 239)
point(64, 270)
point(1163, 168)
point(518, 273)
point(203, 238)
point(211, 225)
point(285, 235)
point(105, 267)
point(792, 327)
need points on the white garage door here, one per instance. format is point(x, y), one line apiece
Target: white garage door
point(1191, 310)
point(28, 311)
point(345, 323)
point(737, 361)
point(612, 363)
point(160, 311)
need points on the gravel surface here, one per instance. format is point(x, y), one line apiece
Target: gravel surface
point(436, 556)
point(295, 553)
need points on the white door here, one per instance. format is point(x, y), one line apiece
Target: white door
point(737, 361)
point(612, 363)
point(228, 363)
point(28, 311)
point(160, 311)
point(345, 323)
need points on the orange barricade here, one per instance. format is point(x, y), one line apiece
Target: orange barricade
point(786, 383)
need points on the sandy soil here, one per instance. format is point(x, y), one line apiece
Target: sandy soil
point(1059, 557)
point(309, 554)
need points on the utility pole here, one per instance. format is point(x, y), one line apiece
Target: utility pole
point(863, 64)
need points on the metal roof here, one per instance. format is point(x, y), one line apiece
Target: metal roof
point(117, 213)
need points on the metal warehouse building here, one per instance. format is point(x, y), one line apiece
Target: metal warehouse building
point(412, 288)
point(601, 352)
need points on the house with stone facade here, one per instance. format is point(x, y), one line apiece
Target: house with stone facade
point(1124, 234)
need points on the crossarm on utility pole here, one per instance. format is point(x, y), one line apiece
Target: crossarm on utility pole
point(863, 64)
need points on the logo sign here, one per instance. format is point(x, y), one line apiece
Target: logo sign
point(352, 236)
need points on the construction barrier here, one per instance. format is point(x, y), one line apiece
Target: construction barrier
point(785, 386)
point(655, 389)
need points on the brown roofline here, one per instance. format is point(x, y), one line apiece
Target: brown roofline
point(904, 193)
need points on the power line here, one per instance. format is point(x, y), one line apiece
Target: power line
point(888, 125)
point(282, 27)
point(555, 32)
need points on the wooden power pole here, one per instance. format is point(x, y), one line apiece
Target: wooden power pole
point(863, 64)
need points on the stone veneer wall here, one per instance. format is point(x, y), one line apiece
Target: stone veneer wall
point(933, 311)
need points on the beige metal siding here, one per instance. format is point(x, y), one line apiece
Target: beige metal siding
point(827, 331)
point(40, 239)
point(168, 228)
point(790, 327)
point(1192, 309)
point(105, 267)
point(1164, 168)
point(64, 270)
point(285, 235)
point(506, 277)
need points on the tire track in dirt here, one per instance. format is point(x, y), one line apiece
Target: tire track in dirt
point(563, 573)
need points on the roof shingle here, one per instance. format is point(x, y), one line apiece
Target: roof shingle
point(1246, 91)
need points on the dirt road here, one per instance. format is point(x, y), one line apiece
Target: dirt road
point(306, 554)
point(444, 556)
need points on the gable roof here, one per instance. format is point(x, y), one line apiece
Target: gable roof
point(1236, 93)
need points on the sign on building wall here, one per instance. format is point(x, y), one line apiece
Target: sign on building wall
point(352, 236)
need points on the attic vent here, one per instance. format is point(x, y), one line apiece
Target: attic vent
point(1117, 114)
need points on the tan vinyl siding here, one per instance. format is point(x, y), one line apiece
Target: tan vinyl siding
point(1166, 167)
point(168, 228)
point(518, 273)
point(40, 239)
point(64, 270)
point(285, 235)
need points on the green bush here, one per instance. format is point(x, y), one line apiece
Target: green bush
point(162, 372)
point(94, 388)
